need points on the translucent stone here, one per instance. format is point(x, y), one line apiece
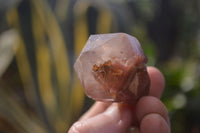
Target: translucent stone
point(111, 68)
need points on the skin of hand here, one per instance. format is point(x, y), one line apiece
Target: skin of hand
point(149, 114)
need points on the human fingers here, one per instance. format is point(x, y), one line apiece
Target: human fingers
point(157, 82)
point(96, 109)
point(116, 119)
point(152, 115)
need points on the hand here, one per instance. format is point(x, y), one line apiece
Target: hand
point(150, 114)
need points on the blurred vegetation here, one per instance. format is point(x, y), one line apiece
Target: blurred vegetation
point(40, 39)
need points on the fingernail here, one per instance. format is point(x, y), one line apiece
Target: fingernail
point(119, 111)
point(113, 112)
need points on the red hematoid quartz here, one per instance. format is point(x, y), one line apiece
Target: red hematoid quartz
point(111, 68)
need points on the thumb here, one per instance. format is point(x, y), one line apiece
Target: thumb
point(116, 119)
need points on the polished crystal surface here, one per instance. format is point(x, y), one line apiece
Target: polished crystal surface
point(111, 68)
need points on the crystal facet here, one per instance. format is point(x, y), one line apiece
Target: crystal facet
point(111, 67)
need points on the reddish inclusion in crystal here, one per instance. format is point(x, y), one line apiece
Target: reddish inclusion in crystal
point(118, 81)
point(108, 75)
point(106, 69)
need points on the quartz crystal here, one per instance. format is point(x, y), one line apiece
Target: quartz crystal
point(111, 68)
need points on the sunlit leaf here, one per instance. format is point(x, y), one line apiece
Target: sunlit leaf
point(8, 45)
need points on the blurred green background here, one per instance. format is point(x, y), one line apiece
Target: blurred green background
point(40, 40)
